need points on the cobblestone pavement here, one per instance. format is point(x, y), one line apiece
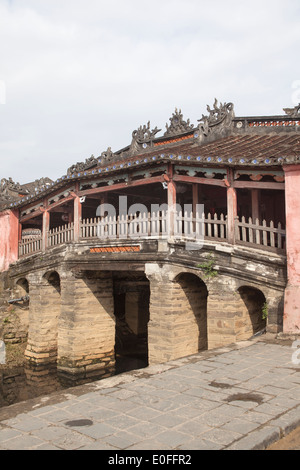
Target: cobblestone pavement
point(244, 396)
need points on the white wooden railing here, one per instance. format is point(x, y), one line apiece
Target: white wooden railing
point(256, 234)
point(160, 225)
point(154, 225)
point(29, 246)
point(61, 235)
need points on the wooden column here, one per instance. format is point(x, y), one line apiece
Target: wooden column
point(171, 200)
point(77, 217)
point(231, 207)
point(46, 224)
point(195, 198)
point(255, 197)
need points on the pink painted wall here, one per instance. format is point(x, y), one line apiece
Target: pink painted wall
point(291, 319)
point(9, 235)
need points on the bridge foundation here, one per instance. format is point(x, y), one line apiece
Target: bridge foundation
point(44, 312)
point(173, 309)
point(86, 336)
point(178, 313)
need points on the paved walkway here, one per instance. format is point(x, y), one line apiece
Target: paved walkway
point(244, 396)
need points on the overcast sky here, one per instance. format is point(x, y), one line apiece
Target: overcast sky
point(78, 76)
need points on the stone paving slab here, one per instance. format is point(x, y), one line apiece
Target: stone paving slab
point(241, 397)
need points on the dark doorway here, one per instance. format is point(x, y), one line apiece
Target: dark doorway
point(254, 316)
point(131, 308)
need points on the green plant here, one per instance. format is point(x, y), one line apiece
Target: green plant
point(208, 267)
point(265, 311)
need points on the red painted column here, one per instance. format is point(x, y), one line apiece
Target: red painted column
point(9, 238)
point(255, 195)
point(171, 200)
point(231, 206)
point(77, 214)
point(291, 317)
point(46, 223)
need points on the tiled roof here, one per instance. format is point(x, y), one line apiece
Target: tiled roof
point(250, 146)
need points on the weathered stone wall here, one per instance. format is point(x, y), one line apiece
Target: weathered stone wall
point(86, 332)
point(182, 310)
point(13, 317)
point(177, 325)
point(44, 311)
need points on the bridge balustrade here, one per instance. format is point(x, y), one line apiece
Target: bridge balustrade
point(156, 225)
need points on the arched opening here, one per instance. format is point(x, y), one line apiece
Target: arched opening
point(22, 287)
point(191, 319)
point(252, 315)
point(54, 281)
point(131, 308)
point(21, 309)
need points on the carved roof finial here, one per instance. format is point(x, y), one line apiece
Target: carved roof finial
point(178, 125)
point(142, 137)
point(292, 112)
point(218, 115)
point(144, 134)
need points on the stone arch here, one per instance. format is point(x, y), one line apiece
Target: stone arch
point(53, 279)
point(190, 296)
point(22, 287)
point(250, 314)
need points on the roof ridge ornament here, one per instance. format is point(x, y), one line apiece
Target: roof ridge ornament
point(293, 112)
point(142, 136)
point(218, 118)
point(80, 166)
point(9, 185)
point(178, 125)
point(107, 155)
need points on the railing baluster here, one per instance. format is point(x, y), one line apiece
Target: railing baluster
point(279, 239)
point(209, 225)
point(257, 233)
point(250, 230)
point(265, 239)
point(272, 236)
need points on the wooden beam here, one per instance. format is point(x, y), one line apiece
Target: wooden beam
point(114, 187)
point(195, 179)
point(60, 202)
point(32, 215)
point(258, 185)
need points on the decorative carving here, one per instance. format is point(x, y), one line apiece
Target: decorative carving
point(178, 125)
point(144, 135)
point(80, 166)
point(7, 185)
point(293, 112)
point(41, 184)
point(217, 116)
point(107, 155)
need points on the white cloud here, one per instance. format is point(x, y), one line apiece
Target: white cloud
point(81, 76)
